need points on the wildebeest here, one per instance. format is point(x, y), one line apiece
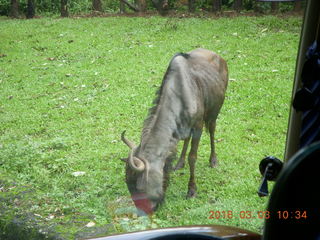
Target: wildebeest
point(191, 95)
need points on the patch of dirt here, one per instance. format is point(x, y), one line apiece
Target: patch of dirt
point(179, 14)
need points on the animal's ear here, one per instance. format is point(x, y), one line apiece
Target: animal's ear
point(124, 159)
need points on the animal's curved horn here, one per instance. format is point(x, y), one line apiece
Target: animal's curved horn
point(135, 163)
point(130, 144)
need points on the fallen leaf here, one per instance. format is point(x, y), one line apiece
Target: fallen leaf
point(78, 174)
point(90, 224)
point(50, 217)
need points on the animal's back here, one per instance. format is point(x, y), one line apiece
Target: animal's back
point(192, 90)
point(210, 72)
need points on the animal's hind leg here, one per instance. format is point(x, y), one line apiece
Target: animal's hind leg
point(213, 158)
point(192, 158)
point(182, 158)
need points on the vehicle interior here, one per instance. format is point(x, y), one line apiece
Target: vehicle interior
point(293, 210)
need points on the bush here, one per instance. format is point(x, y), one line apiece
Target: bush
point(4, 7)
point(44, 7)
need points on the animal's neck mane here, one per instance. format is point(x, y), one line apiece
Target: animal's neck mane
point(150, 122)
point(153, 111)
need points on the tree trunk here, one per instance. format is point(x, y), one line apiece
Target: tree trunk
point(14, 12)
point(130, 5)
point(64, 8)
point(216, 5)
point(30, 9)
point(237, 5)
point(122, 7)
point(96, 5)
point(297, 6)
point(191, 5)
point(161, 6)
point(255, 6)
point(274, 6)
point(142, 4)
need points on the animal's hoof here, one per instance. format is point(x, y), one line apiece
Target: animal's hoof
point(179, 166)
point(213, 162)
point(213, 165)
point(191, 193)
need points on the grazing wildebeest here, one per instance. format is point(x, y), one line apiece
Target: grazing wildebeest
point(191, 94)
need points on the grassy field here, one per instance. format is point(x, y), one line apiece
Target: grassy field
point(69, 87)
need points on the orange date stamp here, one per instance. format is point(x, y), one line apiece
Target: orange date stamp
point(284, 214)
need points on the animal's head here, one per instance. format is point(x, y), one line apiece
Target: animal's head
point(144, 179)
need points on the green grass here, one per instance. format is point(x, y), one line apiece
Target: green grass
point(69, 87)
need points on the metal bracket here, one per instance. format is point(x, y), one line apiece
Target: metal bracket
point(270, 168)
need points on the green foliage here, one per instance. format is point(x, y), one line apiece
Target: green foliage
point(69, 87)
point(4, 7)
point(283, 6)
point(44, 7)
point(248, 4)
point(52, 7)
point(227, 3)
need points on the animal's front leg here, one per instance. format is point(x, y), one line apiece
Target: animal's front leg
point(192, 158)
point(182, 158)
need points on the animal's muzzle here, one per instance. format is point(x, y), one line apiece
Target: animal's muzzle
point(144, 204)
